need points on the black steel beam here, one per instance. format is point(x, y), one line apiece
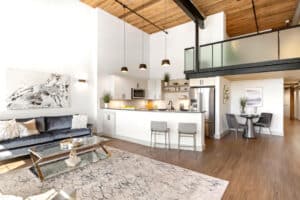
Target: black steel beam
point(269, 66)
point(137, 14)
point(197, 62)
point(296, 18)
point(255, 16)
point(190, 9)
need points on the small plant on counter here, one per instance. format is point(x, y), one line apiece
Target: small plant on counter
point(106, 99)
point(166, 79)
point(243, 102)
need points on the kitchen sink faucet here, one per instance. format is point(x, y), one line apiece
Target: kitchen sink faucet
point(171, 103)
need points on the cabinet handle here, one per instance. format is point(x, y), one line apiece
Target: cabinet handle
point(108, 117)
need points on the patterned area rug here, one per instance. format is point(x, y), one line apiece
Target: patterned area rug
point(123, 176)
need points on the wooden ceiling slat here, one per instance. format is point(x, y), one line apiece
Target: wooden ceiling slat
point(239, 14)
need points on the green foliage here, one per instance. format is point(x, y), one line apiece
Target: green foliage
point(166, 77)
point(106, 98)
point(243, 102)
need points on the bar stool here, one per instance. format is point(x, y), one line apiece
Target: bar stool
point(187, 130)
point(160, 128)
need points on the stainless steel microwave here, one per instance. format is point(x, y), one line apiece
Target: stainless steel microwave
point(137, 93)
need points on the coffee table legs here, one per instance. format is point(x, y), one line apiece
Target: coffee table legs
point(105, 150)
point(35, 161)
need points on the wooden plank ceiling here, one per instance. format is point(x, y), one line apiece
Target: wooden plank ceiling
point(271, 14)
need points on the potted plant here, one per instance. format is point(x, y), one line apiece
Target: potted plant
point(166, 79)
point(243, 102)
point(106, 99)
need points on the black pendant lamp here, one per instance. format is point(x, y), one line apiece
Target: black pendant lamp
point(143, 66)
point(165, 62)
point(124, 69)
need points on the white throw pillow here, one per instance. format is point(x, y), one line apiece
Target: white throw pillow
point(79, 121)
point(9, 130)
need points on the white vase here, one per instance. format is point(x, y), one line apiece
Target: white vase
point(105, 105)
point(73, 159)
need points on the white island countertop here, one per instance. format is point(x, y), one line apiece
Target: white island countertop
point(134, 126)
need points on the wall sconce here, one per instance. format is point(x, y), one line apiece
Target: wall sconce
point(81, 78)
point(82, 81)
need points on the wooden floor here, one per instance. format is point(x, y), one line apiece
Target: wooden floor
point(265, 168)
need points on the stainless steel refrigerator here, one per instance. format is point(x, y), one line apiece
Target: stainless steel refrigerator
point(202, 99)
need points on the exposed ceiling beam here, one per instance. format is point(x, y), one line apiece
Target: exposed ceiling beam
point(141, 7)
point(296, 18)
point(137, 14)
point(191, 10)
point(255, 17)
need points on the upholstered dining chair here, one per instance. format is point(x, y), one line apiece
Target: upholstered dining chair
point(264, 121)
point(233, 124)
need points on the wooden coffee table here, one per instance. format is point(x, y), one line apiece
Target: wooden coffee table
point(53, 156)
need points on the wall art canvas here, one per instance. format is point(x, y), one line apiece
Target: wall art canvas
point(254, 97)
point(35, 90)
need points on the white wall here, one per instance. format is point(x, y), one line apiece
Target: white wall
point(110, 56)
point(297, 104)
point(221, 107)
point(50, 36)
point(287, 102)
point(273, 100)
point(179, 38)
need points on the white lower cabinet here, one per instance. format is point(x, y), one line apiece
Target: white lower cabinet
point(109, 123)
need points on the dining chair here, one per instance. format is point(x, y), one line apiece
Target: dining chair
point(233, 124)
point(264, 121)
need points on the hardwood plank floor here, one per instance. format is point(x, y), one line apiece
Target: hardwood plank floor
point(265, 168)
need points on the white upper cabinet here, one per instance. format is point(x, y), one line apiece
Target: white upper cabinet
point(154, 89)
point(120, 87)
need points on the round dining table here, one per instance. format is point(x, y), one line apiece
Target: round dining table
point(250, 132)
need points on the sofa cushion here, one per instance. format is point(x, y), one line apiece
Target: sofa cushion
point(40, 123)
point(68, 133)
point(80, 132)
point(26, 141)
point(58, 123)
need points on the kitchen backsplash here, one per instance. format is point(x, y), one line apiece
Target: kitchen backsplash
point(142, 104)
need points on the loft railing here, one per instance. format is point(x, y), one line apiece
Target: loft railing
point(267, 46)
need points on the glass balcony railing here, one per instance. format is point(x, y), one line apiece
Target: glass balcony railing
point(268, 46)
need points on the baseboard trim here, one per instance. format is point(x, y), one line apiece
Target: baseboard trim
point(147, 143)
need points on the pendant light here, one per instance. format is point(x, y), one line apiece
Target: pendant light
point(165, 62)
point(124, 69)
point(143, 66)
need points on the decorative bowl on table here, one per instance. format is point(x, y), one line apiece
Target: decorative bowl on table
point(70, 143)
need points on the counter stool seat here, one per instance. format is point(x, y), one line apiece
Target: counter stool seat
point(187, 130)
point(160, 128)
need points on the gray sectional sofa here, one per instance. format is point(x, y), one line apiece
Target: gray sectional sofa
point(51, 129)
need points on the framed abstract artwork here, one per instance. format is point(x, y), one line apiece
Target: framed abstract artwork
point(254, 97)
point(35, 90)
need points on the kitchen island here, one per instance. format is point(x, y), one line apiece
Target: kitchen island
point(134, 126)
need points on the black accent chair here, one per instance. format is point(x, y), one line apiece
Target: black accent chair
point(264, 121)
point(233, 124)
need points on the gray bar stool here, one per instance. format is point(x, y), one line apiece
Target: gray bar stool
point(187, 130)
point(160, 128)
